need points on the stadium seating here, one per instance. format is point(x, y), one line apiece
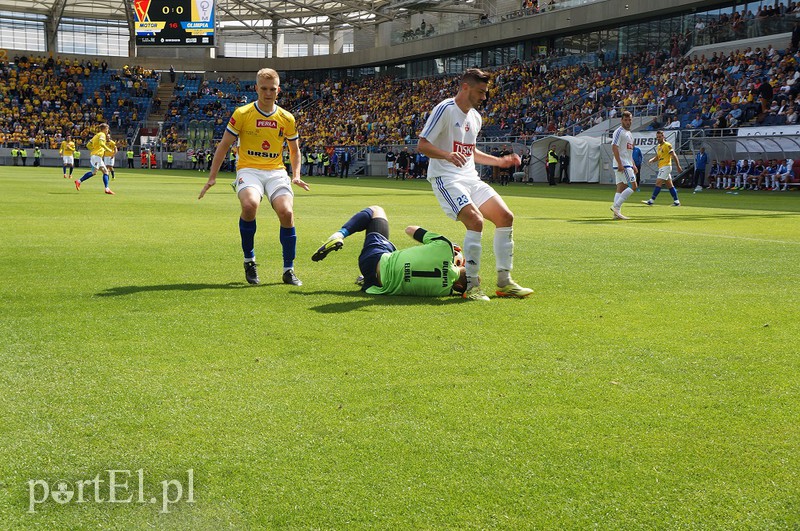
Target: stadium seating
point(550, 96)
point(555, 94)
point(48, 98)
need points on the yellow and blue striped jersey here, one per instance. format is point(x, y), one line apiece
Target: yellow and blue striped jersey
point(261, 136)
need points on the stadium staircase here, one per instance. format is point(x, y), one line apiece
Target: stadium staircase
point(166, 93)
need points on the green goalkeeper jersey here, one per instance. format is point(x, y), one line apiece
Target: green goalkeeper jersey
point(423, 270)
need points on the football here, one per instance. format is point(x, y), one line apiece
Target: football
point(458, 256)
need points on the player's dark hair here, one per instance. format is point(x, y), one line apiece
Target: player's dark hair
point(460, 284)
point(474, 76)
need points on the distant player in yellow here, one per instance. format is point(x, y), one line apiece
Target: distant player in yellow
point(109, 155)
point(665, 155)
point(97, 147)
point(262, 128)
point(66, 150)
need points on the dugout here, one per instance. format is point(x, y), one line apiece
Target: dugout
point(585, 164)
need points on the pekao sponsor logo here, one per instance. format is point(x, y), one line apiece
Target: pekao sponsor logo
point(272, 124)
point(113, 486)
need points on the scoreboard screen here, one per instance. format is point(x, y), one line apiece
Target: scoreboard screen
point(174, 22)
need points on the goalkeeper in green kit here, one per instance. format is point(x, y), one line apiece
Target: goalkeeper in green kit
point(432, 269)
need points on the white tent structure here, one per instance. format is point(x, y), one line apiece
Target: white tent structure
point(585, 157)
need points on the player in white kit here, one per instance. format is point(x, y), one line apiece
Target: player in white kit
point(624, 168)
point(449, 140)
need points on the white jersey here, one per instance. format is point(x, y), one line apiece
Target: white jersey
point(624, 141)
point(742, 166)
point(451, 130)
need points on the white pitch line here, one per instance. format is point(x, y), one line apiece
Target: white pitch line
point(705, 235)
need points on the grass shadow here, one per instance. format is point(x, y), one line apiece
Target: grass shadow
point(692, 217)
point(130, 290)
point(366, 300)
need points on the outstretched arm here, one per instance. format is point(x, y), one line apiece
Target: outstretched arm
point(416, 232)
point(219, 155)
point(506, 161)
point(676, 161)
point(296, 162)
point(433, 152)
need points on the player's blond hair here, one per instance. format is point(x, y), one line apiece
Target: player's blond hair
point(268, 73)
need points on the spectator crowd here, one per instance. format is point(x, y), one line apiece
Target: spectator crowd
point(44, 99)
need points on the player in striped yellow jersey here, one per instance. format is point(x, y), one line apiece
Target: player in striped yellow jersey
point(109, 154)
point(66, 150)
point(97, 148)
point(262, 128)
point(665, 155)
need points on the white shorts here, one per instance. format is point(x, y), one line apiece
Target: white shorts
point(270, 183)
point(454, 193)
point(626, 176)
point(109, 161)
point(390, 164)
point(68, 160)
point(96, 161)
point(664, 173)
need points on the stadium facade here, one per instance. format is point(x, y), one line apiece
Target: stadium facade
point(608, 27)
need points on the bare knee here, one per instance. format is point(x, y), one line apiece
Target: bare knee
point(377, 212)
point(249, 208)
point(286, 217)
point(505, 219)
point(471, 218)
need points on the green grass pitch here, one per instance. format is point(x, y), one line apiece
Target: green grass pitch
point(651, 382)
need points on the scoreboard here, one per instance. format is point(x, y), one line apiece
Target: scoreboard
point(174, 22)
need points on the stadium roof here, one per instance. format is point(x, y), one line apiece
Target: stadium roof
point(315, 16)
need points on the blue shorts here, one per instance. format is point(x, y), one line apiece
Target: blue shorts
point(375, 246)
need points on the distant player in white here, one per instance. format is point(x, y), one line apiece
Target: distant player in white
point(109, 155)
point(449, 139)
point(624, 168)
point(783, 175)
